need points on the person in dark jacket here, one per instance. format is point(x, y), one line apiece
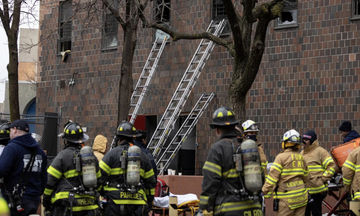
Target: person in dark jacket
point(123, 199)
point(65, 193)
point(347, 133)
point(221, 182)
point(4, 135)
point(23, 153)
point(140, 141)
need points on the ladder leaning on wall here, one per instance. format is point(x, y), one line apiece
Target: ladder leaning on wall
point(191, 120)
point(183, 90)
point(144, 81)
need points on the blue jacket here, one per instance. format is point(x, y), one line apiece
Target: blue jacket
point(12, 163)
point(146, 151)
point(351, 135)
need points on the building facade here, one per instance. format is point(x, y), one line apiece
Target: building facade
point(308, 78)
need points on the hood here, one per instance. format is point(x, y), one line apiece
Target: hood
point(100, 143)
point(26, 141)
point(352, 135)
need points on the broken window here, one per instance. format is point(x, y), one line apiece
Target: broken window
point(162, 16)
point(219, 13)
point(110, 29)
point(356, 8)
point(289, 13)
point(65, 27)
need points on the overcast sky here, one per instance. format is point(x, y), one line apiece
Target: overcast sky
point(4, 60)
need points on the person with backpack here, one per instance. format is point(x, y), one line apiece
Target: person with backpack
point(140, 141)
point(128, 177)
point(221, 184)
point(23, 169)
point(66, 192)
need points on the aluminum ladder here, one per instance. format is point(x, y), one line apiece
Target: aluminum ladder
point(145, 78)
point(191, 120)
point(144, 81)
point(183, 90)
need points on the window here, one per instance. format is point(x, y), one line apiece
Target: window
point(356, 8)
point(65, 26)
point(289, 14)
point(219, 13)
point(110, 31)
point(162, 16)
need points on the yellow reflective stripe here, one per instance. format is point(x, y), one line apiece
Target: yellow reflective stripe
point(356, 195)
point(347, 181)
point(277, 166)
point(236, 206)
point(289, 194)
point(268, 195)
point(71, 173)
point(316, 168)
point(327, 161)
point(271, 180)
point(212, 167)
point(231, 173)
point(117, 171)
point(104, 167)
point(322, 188)
point(107, 188)
point(204, 199)
point(152, 191)
point(349, 165)
point(299, 205)
point(331, 171)
point(48, 191)
point(130, 202)
point(148, 174)
point(84, 208)
point(98, 174)
point(65, 195)
point(54, 172)
point(297, 171)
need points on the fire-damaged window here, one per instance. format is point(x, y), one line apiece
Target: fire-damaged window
point(219, 13)
point(65, 27)
point(162, 16)
point(110, 29)
point(289, 14)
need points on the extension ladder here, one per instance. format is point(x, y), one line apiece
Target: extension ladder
point(174, 146)
point(144, 81)
point(183, 90)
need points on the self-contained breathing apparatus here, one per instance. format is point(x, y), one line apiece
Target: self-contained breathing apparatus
point(247, 164)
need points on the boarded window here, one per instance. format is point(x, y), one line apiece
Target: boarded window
point(65, 27)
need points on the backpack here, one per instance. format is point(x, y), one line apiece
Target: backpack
point(340, 152)
point(161, 189)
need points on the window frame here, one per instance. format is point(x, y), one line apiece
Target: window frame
point(227, 29)
point(158, 33)
point(113, 34)
point(293, 9)
point(65, 43)
point(353, 10)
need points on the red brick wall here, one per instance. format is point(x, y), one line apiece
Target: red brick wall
point(308, 78)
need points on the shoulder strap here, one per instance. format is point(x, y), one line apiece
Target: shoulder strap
point(26, 172)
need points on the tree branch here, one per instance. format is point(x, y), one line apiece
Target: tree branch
point(115, 12)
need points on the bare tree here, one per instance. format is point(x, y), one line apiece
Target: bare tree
point(10, 15)
point(249, 28)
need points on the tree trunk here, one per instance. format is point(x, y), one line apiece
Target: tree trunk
point(126, 80)
point(12, 68)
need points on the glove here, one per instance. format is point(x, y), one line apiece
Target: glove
point(206, 213)
point(47, 203)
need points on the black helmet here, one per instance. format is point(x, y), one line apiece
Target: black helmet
point(73, 133)
point(223, 116)
point(126, 129)
point(5, 131)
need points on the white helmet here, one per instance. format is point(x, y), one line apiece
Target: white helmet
point(292, 136)
point(250, 125)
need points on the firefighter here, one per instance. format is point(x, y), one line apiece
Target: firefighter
point(4, 136)
point(221, 183)
point(287, 178)
point(66, 192)
point(251, 130)
point(351, 174)
point(125, 195)
point(321, 169)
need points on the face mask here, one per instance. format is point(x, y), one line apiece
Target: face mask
point(252, 137)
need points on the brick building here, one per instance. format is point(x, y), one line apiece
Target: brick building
point(308, 78)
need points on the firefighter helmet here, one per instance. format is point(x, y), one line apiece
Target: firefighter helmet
point(250, 125)
point(126, 129)
point(223, 116)
point(291, 139)
point(5, 131)
point(73, 132)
